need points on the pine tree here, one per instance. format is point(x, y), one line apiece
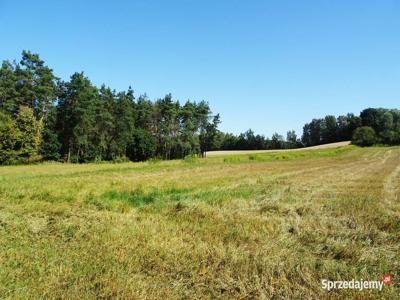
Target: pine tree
point(76, 115)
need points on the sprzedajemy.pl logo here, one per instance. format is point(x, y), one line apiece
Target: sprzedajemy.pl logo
point(358, 284)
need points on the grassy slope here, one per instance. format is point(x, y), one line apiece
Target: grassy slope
point(247, 226)
point(323, 146)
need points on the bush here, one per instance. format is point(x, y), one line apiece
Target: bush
point(390, 137)
point(364, 136)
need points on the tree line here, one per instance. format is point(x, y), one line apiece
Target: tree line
point(372, 126)
point(45, 118)
point(250, 141)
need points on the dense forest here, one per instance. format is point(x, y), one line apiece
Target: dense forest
point(250, 141)
point(372, 126)
point(45, 118)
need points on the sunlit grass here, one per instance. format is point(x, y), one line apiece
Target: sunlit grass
point(242, 226)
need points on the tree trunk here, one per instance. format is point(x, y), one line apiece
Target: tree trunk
point(69, 154)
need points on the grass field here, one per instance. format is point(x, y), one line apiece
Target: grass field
point(323, 146)
point(262, 225)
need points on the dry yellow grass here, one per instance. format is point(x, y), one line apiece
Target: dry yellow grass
point(230, 152)
point(240, 227)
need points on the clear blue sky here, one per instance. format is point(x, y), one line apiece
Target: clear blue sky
point(266, 65)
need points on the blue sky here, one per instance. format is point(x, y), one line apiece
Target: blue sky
point(266, 65)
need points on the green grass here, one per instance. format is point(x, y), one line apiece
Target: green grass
point(265, 225)
point(270, 156)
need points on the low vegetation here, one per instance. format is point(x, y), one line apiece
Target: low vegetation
point(247, 226)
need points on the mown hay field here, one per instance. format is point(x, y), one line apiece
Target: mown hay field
point(254, 226)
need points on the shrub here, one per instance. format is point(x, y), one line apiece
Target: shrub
point(390, 137)
point(364, 136)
